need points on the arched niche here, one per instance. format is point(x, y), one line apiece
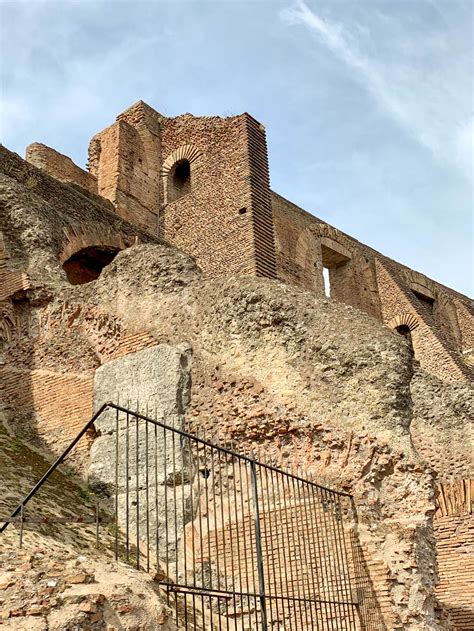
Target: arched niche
point(86, 265)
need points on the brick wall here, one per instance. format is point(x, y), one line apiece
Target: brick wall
point(225, 221)
point(11, 282)
point(53, 406)
point(454, 532)
point(59, 166)
point(363, 278)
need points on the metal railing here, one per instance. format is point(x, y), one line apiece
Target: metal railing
point(234, 543)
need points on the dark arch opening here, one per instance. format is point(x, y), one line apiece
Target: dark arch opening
point(87, 264)
point(179, 180)
point(404, 329)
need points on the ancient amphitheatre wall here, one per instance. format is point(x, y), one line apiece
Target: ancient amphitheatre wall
point(436, 316)
point(256, 360)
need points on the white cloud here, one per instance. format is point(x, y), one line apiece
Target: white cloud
point(411, 75)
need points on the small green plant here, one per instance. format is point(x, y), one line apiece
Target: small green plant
point(85, 495)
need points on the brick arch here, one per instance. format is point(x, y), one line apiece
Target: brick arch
point(186, 152)
point(323, 230)
point(415, 279)
point(7, 326)
point(407, 319)
point(76, 240)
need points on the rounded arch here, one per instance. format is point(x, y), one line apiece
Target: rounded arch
point(325, 231)
point(404, 324)
point(76, 240)
point(86, 265)
point(404, 320)
point(7, 326)
point(176, 171)
point(86, 252)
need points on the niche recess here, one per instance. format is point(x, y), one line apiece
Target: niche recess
point(87, 264)
point(424, 296)
point(179, 180)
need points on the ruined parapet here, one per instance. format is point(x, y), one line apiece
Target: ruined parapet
point(60, 166)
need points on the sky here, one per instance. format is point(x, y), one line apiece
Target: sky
point(368, 104)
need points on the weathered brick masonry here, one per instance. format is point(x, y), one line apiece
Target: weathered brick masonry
point(202, 185)
point(228, 218)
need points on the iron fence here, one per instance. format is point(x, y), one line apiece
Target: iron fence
point(234, 543)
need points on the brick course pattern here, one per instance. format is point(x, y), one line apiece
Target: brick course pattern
point(226, 217)
point(232, 223)
point(454, 531)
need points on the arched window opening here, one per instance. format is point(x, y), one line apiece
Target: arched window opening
point(87, 264)
point(404, 330)
point(179, 180)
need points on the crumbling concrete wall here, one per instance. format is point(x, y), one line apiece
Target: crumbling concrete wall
point(307, 383)
point(301, 379)
point(442, 427)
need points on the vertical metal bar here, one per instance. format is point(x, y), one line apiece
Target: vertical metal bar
point(271, 533)
point(206, 486)
point(346, 585)
point(304, 543)
point(215, 481)
point(21, 524)
point(322, 552)
point(313, 560)
point(201, 542)
point(127, 485)
point(97, 524)
point(175, 512)
point(281, 550)
point(238, 535)
point(137, 491)
point(338, 571)
point(193, 518)
point(184, 478)
point(253, 552)
point(231, 537)
point(258, 534)
point(116, 483)
point(167, 541)
point(147, 497)
point(291, 547)
point(157, 523)
point(246, 553)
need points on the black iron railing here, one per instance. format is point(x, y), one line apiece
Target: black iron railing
point(235, 543)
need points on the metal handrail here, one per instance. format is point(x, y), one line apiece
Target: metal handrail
point(254, 493)
point(110, 404)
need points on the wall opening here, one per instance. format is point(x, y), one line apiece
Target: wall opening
point(87, 264)
point(427, 301)
point(179, 180)
point(327, 282)
point(404, 330)
point(335, 271)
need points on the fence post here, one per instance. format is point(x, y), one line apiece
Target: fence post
point(21, 525)
point(258, 537)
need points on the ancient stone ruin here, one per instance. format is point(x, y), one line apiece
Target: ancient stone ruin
point(168, 277)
